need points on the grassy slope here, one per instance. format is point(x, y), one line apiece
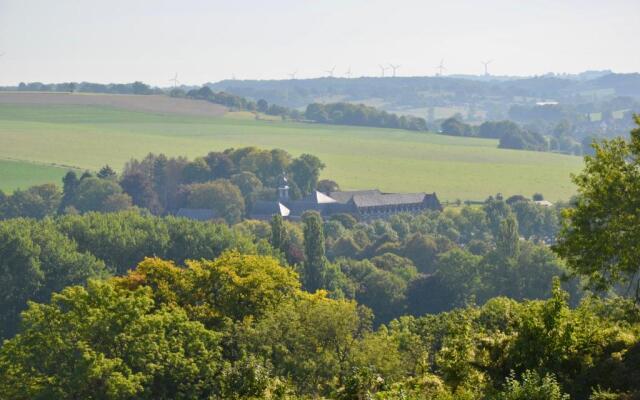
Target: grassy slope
point(392, 160)
point(22, 174)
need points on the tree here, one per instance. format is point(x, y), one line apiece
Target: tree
point(262, 106)
point(532, 387)
point(35, 260)
point(600, 236)
point(138, 186)
point(140, 88)
point(422, 250)
point(497, 129)
point(507, 239)
point(454, 127)
point(247, 182)
point(496, 211)
point(314, 251)
point(537, 197)
point(106, 172)
point(160, 180)
point(305, 172)
point(220, 165)
point(327, 185)
point(35, 202)
point(196, 171)
point(69, 185)
point(459, 271)
point(108, 343)
point(116, 202)
point(92, 194)
point(531, 219)
point(278, 233)
point(221, 195)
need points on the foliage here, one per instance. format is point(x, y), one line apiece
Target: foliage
point(599, 237)
point(532, 387)
point(36, 260)
point(315, 263)
point(221, 195)
point(102, 342)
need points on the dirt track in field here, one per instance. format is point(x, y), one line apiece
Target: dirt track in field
point(151, 103)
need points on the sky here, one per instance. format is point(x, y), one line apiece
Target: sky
point(207, 41)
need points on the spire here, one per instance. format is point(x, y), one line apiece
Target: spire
point(283, 188)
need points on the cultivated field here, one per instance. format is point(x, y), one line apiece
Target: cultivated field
point(152, 104)
point(89, 136)
point(22, 174)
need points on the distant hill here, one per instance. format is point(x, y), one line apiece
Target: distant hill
point(439, 97)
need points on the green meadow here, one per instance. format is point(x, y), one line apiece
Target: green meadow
point(88, 137)
point(22, 174)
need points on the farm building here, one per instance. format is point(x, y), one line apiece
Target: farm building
point(362, 204)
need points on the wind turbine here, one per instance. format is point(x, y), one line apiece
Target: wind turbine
point(293, 75)
point(382, 69)
point(440, 68)
point(348, 73)
point(175, 80)
point(330, 71)
point(486, 66)
point(394, 68)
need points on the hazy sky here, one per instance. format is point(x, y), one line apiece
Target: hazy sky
point(150, 40)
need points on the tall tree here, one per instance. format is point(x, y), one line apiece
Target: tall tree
point(278, 233)
point(315, 262)
point(508, 238)
point(160, 179)
point(69, 185)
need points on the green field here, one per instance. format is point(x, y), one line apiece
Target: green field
point(22, 174)
point(393, 160)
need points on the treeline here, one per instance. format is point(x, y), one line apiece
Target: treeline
point(510, 134)
point(361, 115)
point(87, 87)
point(237, 102)
point(227, 182)
point(331, 113)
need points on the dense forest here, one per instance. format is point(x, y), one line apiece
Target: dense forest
point(509, 300)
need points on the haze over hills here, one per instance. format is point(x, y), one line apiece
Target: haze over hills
point(491, 96)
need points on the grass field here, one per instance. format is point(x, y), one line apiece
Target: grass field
point(90, 136)
point(22, 174)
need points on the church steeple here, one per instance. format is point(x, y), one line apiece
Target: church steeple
point(283, 188)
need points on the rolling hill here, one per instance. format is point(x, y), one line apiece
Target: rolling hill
point(47, 131)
